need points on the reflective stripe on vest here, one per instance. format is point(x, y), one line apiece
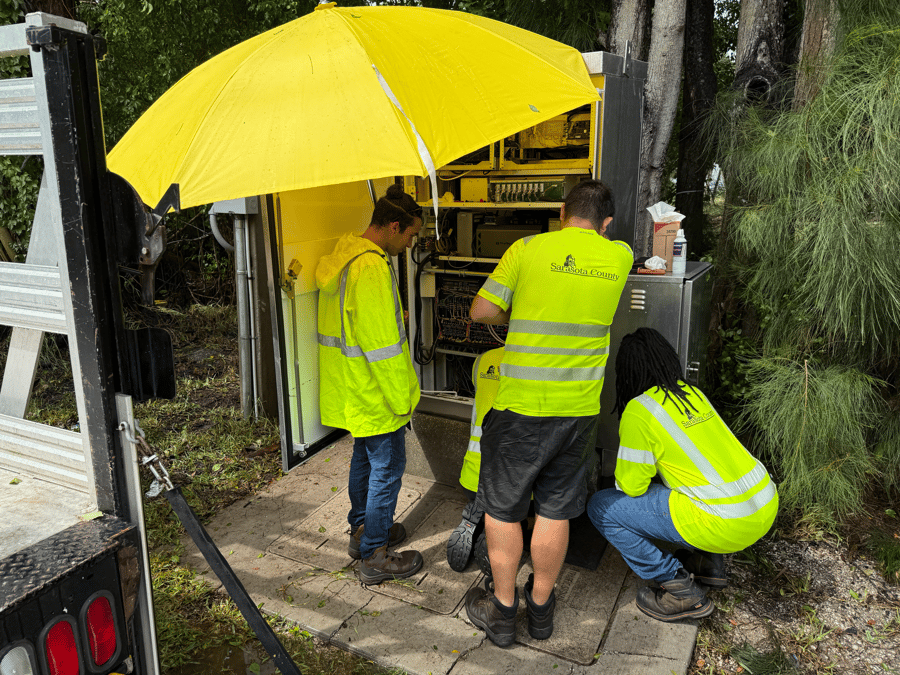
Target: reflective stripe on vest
point(557, 328)
point(354, 350)
point(715, 487)
point(636, 456)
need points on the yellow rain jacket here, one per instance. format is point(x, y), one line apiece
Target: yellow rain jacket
point(486, 376)
point(722, 497)
point(367, 384)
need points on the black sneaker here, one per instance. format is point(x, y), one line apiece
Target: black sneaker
point(707, 568)
point(459, 546)
point(679, 598)
point(396, 536)
point(385, 565)
point(540, 617)
point(484, 611)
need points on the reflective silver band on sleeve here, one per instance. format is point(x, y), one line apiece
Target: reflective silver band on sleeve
point(498, 290)
point(636, 456)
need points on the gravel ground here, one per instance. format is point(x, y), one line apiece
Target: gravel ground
point(816, 605)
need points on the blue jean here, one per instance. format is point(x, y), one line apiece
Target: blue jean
point(376, 470)
point(629, 524)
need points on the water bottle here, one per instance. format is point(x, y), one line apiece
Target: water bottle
point(679, 253)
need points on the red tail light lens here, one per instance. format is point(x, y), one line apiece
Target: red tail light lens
point(62, 649)
point(101, 630)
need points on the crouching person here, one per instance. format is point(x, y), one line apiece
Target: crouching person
point(716, 498)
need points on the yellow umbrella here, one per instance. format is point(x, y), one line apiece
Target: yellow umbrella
point(347, 94)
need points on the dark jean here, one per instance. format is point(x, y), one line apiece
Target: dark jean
point(375, 473)
point(629, 524)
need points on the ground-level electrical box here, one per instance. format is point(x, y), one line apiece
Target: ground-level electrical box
point(487, 200)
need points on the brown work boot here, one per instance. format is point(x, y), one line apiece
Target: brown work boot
point(396, 536)
point(385, 564)
point(679, 598)
point(484, 610)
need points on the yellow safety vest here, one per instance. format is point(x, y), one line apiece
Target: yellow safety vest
point(367, 384)
point(564, 288)
point(722, 497)
point(486, 377)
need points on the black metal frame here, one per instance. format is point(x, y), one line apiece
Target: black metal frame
point(89, 232)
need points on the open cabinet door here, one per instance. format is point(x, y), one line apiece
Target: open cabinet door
point(302, 226)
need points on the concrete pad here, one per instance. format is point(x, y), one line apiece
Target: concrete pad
point(393, 625)
point(631, 664)
point(321, 538)
point(585, 601)
point(633, 632)
point(437, 587)
point(317, 600)
point(249, 527)
point(489, 659)
point(396, 634)
point(34, 509)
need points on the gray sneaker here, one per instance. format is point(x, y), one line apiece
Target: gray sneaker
point(384, 565)
point(396, 536)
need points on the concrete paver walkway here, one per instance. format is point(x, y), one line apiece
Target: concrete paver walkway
point(288, 545)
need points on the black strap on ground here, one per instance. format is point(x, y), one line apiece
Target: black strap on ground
point(232, 584)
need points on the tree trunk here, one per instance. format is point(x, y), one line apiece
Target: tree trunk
point(661, 93)
point(630, 23)
point(816, 47)
point(759, 55)
point(695, 157)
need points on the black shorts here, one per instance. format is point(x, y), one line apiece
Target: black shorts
point(549, 457)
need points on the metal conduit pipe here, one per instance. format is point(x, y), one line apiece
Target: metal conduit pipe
point(218, 235)
point(245, 345)
point(254, 338)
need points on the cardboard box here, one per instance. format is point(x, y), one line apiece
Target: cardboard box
point(663, 237)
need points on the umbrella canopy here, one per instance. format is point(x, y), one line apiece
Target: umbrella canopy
point(347, 94)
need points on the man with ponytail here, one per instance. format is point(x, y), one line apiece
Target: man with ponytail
point(715, 497)
point(367, 384)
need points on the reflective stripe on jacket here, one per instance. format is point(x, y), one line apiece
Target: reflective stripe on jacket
point(564, 288)
point(722, 498)
point(486, 377)
point(367, 384)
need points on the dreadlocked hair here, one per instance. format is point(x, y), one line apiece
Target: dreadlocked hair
point(645, 360)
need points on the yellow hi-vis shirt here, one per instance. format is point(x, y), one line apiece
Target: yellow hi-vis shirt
point(564, 288)
point(486, 377)
point(722, 497)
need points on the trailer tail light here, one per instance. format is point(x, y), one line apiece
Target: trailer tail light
point(100, 628)
point(61, 648)
point(18, 661)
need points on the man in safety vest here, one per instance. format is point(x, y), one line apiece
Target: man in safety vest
point(486, 378)
point(715, 498)
point(559, 292)
point(367, 384)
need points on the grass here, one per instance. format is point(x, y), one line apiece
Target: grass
point(886, 549)
point(217, 458)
